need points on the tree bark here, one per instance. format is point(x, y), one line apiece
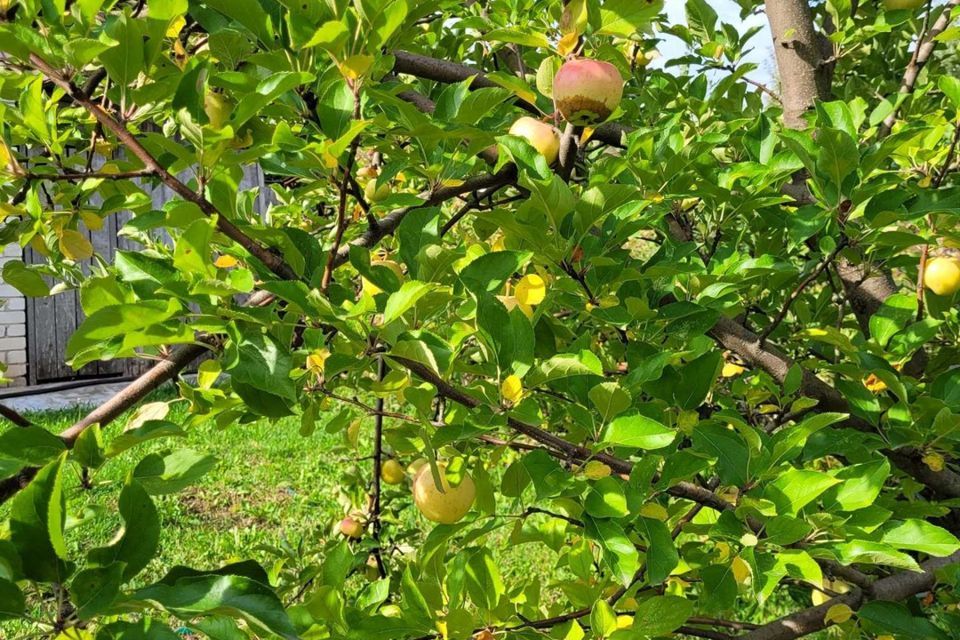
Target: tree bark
point(803, 77)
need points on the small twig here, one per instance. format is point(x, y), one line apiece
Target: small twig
point(344, 191)
point(377, 466)
point(799, 289)
point(14, 416)
point(84, 175)
point(558, 516)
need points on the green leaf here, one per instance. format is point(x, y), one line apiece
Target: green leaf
point(603, 619)
point(93, 590)
point(37, 517)
point(626, 18)
point(140, 537)
point(483, 580)
point(32, 445)
point(660, 615)
point(403, 300)
point(12, 601)
point(248, 13)
point(233, 595)
point(564, 365)
point(24, 279)
point(149, 430)
point(638, 431)
point(143, 629)
point(866, 552)
point(489, 272)
point(922, 536)
point(896, 312)
point(606, 499)
point(268, 90)
point(330, 35)
point(88, 448)
point(895, 618)
point(517, 36)
point(862, 484)
point(662, 557)
point(263, 363)
point(796, 488)
point(609, 399)
point(619, 553)
point(160, 474)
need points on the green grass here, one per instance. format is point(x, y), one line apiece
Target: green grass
point(271, 488)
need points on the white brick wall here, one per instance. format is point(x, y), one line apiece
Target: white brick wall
point(13, 325)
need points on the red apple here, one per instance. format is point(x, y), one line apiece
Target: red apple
point(587, 91)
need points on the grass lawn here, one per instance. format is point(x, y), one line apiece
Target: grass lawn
point(271, 488)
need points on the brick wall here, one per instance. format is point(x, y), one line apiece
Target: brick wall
point(13, 325)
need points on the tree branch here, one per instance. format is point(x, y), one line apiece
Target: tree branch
point(895, 588)
point(228, 228)
point(921, 55)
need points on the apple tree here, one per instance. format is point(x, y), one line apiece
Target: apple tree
point(688, 333)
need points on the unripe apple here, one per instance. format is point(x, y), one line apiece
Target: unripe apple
point(376, 192)
point(351, 528)
point(392, 472)
point(217, 108)
point(899, 5)
point(942, 276)
point(540, 135)
point(445, 504)
point(587, 91)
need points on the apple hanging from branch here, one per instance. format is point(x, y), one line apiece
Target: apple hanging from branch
point(540, 135)
point(445, 504)
point(587, 91)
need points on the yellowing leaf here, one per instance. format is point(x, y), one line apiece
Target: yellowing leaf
point(586, 135)
point(838, 614)
point(207, 373)
point(595, 470)
point(730, 370)
point(568, 43)
point(654, 510)
point(225, 262)
point(317, 359)
point(91, 220)
point(531, 290)
point(173, 29)
point(356, 66)
point(75, 245)
point(741, 570)
point(511, 388)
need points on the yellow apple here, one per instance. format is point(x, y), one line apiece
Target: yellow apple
point(376, 192)
point(942, 276)
point(445, 504)
point(392, 472)
point(587, 91)
point(351, 527)
point(540, 135)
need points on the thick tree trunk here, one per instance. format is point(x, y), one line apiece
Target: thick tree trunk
point(797, 45)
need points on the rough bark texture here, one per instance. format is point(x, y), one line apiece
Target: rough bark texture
point(798, 48)
point(894, 588)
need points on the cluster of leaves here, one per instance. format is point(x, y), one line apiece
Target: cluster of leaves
point(707, 418)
